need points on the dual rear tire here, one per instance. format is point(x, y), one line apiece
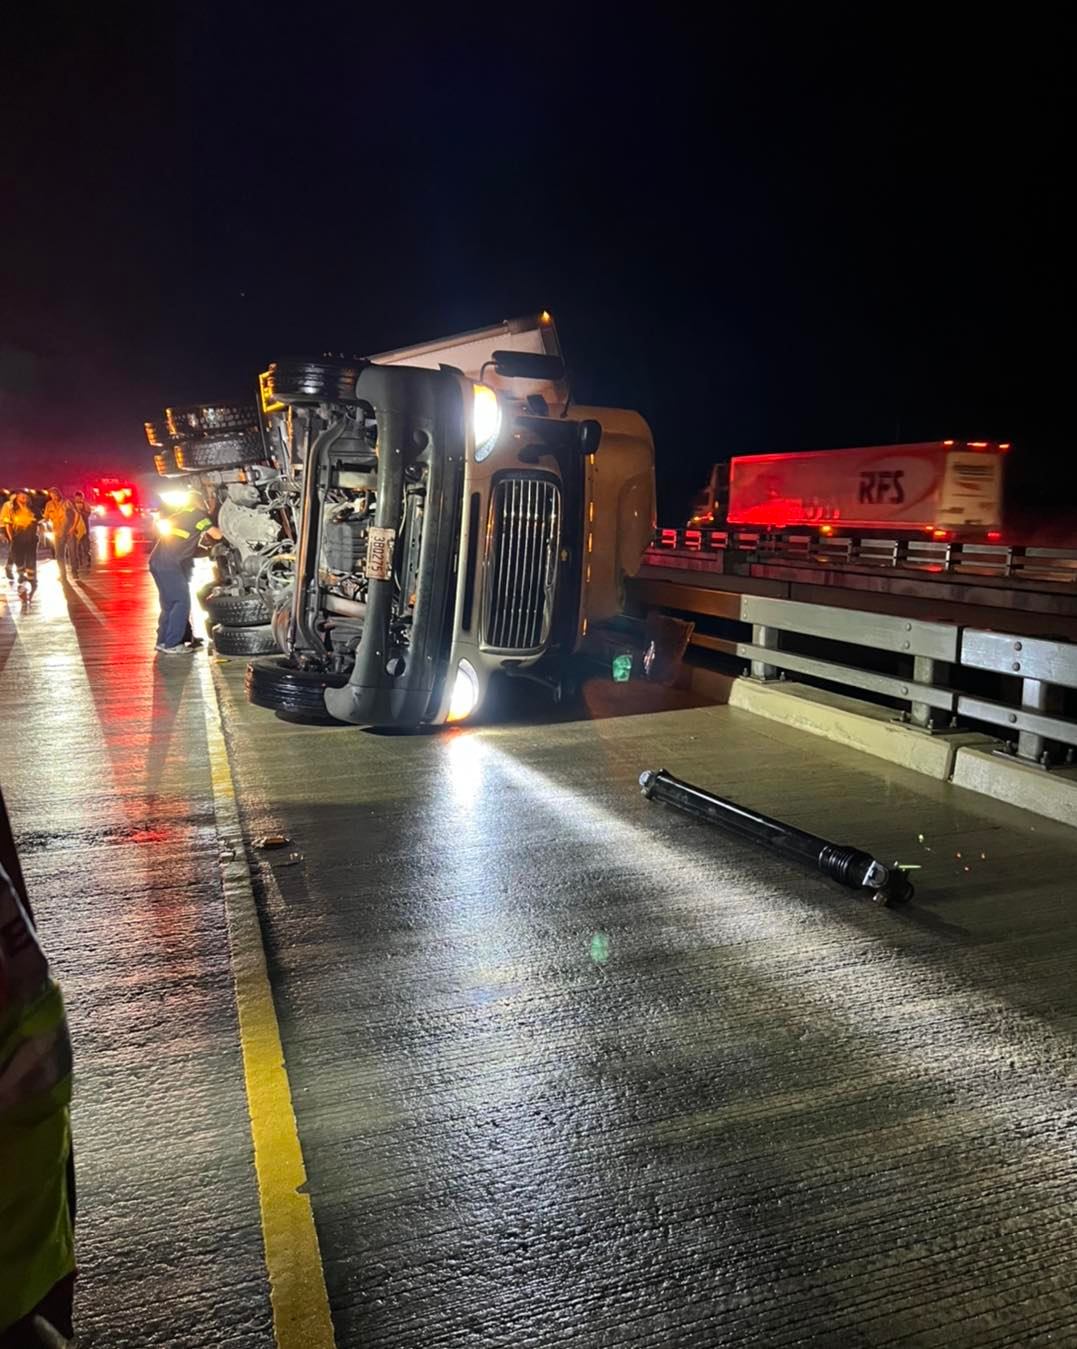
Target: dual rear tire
point(273, 682)
point(237, 611)
point(252, 641)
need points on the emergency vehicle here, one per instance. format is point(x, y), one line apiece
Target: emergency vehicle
point(113, 501)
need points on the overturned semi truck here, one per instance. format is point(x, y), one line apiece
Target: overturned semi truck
point(460, 519)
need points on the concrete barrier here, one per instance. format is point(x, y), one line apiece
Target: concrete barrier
point(860, 725)
point(1051, 794)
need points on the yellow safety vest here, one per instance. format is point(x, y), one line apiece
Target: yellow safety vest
point(37, 1246)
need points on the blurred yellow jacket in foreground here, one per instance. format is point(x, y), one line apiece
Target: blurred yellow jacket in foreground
point(36, 1238)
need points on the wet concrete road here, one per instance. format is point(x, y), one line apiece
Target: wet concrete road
point(568, 1069)
point(104, 775)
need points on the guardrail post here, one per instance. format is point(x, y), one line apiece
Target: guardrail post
point(764, 636)
point(1036, 696)
point(925, 670)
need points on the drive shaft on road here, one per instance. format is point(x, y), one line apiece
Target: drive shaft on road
point(848, 866)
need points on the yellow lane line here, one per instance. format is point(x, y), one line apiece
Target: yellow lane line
point(297, 1292)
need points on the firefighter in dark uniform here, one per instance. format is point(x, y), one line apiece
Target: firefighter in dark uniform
point(171, 564)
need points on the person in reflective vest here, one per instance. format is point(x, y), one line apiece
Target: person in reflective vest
point(5, 536)
point(79, 559)
point(37, 1198)
point(22, 530)
point(171, 563)
point(58, 519)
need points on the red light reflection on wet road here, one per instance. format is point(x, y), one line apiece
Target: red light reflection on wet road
point(111, 543)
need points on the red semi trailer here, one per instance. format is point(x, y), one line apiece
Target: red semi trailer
point(945, 487)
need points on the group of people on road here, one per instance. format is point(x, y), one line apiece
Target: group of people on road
point(66, 525)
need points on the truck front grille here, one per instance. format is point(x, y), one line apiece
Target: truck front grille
point(522, 543)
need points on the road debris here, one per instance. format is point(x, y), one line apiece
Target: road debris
point(848, 866)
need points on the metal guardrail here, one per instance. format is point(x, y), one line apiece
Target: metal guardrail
point(1044, 669)
point(919, 554)
point(931, 659)
point(928, 644)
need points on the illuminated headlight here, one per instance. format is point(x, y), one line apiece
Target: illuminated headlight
point(485, 419)
point(465, 693)
point(176, 497)
point(163, 526)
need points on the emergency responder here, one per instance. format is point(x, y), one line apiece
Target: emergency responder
point(5, 535)
point(22, 527)
point(37, 1193)
point(57, 517)
point(80, 534)
point(171, 564)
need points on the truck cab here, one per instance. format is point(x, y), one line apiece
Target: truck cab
point(461, 519)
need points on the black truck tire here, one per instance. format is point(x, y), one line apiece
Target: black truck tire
point(275, 683)
point(237, 611)
point(213, 419)
point(256, 641)
point(300, 381)
point(228, 451)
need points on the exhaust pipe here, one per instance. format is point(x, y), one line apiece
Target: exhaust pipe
point(848, 866)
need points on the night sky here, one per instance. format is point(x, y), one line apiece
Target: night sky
point(789, 228)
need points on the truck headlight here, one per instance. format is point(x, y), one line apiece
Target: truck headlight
point(465, 693)
point(485, 419)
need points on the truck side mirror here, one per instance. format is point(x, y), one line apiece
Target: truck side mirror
point(528, 365)
point(589, 436)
